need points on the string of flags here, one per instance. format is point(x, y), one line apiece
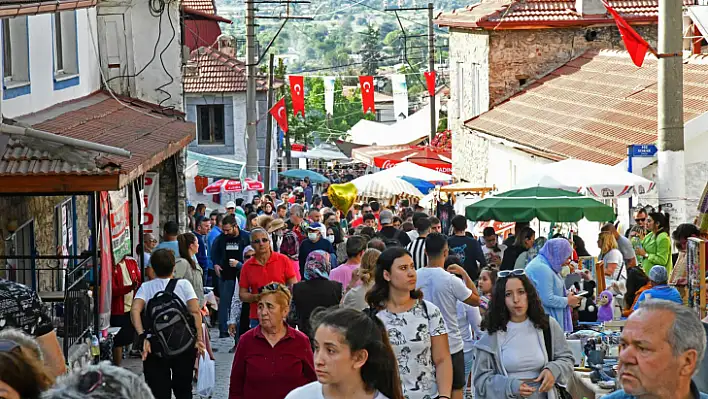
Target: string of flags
point(279, 111)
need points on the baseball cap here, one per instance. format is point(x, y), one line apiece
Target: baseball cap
point(314, 226)
point(658, 274)
point(230, 204)
point(386, 217)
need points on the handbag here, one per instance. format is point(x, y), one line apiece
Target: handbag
point(561, 392)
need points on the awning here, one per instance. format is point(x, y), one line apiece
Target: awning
point(218, 168)
point(367, 154)
point(233, 186)
point(325, 152)
point(429, 157)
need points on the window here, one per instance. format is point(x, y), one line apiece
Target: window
point(15, 54)
point(210, 124)
point(66, 60)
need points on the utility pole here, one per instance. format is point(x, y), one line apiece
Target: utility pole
point(431, 69)
point(269, 124)
point(672, 169)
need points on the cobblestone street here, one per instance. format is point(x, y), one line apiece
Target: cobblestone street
point(223, 364)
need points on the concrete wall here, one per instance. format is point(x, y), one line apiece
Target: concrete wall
point(507, 165)
point(470, 156)
point(43, 93)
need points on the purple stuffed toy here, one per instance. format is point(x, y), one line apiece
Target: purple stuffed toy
point(605, 303)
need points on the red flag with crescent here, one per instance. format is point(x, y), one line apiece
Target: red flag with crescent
point(430, 80)
point(636, 45)
point(280, 114)
point(367, 93)
point(297, 92)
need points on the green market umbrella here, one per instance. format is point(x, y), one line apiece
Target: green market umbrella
point(545, 204)
point(303, 173)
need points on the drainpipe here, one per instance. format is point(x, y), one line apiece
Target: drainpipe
point(42, 135)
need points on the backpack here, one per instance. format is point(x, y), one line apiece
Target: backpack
point(390, 242)
point(170, 323)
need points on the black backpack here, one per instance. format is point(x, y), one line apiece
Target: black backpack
point(390, 242)
point(170, 323)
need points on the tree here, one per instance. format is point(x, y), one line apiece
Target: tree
point(371, 52)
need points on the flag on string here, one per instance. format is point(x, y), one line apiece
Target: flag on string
point(430, 80)
point(400, 96)
point(367, 93)
point(636, 45)
point(297, 93)
point(280, 114)
point(329, 94)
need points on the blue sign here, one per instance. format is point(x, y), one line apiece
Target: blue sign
point(642, 150)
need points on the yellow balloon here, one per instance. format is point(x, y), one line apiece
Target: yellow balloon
point(342, 196)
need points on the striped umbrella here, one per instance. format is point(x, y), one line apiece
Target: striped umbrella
point(384, 187)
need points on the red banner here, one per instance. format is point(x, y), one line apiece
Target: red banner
point(106, 269)
point(367, 93)
point(430, 80)
point(280, 114)
point(297, 93)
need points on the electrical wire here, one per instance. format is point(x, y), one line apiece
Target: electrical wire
point(407, 19)
point(161, 88)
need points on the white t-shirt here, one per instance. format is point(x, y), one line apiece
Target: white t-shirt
point(469, 320)
point(489, 251)
point(313, 390)
point(409, 333)
point(444, 290)
point(521, 353)
point(615, 256)
point(149, 289)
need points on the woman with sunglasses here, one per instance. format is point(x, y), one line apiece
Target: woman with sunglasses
point(22, 371)
point(512, 359)
point(415, 327)
point(656, 246)
point(353, 358)
point(544, 271)
point(273, 358)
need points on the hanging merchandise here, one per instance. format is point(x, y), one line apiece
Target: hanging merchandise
point(298, 94)
point(280, 114)
point(400, 96)
point(430, 80)
point(367, 93)
point(329, 94)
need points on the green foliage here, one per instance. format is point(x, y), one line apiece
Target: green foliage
point(371, 53)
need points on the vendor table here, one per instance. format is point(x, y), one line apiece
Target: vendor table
point(580, 387)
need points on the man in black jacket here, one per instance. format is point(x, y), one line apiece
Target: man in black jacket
point(467, 249)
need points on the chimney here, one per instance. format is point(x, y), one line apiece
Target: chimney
point(590, 7)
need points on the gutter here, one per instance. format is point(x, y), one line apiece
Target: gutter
point(42, 135)
point(44, 7)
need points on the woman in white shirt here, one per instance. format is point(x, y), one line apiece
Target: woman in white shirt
point(353, 358)
point(512, 360)
point(611, 257)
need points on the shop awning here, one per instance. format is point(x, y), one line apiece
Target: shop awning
point(218, 168)
point(367, 154)
point(429, 157)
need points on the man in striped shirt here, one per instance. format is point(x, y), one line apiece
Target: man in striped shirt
point(417, 246)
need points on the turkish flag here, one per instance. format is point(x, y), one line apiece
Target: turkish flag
point(280, 114)
point(367, 93)
point(430, 79)
point(633, 41)
point(297, 92)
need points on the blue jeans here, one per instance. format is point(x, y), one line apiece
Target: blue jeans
point(253, 323)
point(226, 288)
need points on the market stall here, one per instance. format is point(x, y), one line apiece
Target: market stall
point(429, 157)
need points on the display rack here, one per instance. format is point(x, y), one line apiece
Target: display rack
point(696, 265)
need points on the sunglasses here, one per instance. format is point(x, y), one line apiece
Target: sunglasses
point(247, 257)
point(272, 287)
point(515, 272)
point(259, 241)
point(640, 220)
point(7, 345)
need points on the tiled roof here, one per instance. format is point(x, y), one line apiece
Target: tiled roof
point(150, 133)
point(592, 108)
point(206, 6)
point(216, 72)
point(501, 14)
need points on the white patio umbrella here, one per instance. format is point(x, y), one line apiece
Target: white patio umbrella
point(383, 187)
point(411, 169)
point(589, 178)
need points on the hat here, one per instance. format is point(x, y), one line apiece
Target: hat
point(386, 217)
point(276, 224)
point(230, 204)
point(658, 274)
point(314, 226)
point(247, 250)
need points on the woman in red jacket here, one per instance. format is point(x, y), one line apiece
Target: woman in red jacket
point(273, 358)
point(125, 283)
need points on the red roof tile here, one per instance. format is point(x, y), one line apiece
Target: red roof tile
point(206, 6)
point(150, 133)
point(592, 108)
point(216, 72)
point(504, 14)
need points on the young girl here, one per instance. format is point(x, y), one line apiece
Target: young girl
point(487, 279)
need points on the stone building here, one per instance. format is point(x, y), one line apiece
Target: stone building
point(499, 47)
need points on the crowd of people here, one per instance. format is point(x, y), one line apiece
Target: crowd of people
point(373, 302)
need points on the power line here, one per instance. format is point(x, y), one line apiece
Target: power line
point(387, 14)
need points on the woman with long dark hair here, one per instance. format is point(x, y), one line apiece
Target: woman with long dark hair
point(523, 242)
point(415, 327)
point(353, 358)
point(186, 267)
point(656, 246)
point(512, 360)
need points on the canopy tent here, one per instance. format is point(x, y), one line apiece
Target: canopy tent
point(429, 157)
point(347, 147)
point(411, 130)
point(424, 186)
point(366, 132)
point(219, 168)
point(325, 152)
point(366, 154)
point(384, 187)
point(544, 204)
point(590, 178)
point(414, 170)
point(233, 186)
point(303, 173)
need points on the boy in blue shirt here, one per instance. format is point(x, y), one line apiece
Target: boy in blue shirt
point(660, 288)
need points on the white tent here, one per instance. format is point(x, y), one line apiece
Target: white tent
point(590, 178)
point(325, 152)
point(368, 132)
point(383, 187)
point(407, 131)
point(411, 169)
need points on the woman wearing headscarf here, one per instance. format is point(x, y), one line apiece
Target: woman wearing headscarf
point(544, 272)
point(314, 291)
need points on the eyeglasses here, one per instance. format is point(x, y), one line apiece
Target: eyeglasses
point(7, 345)
point(273, 287)
point(515, 272)
point(262, 240)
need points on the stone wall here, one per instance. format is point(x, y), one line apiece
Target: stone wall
point(173, 208)
point(518, 55)
point(470, 157)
